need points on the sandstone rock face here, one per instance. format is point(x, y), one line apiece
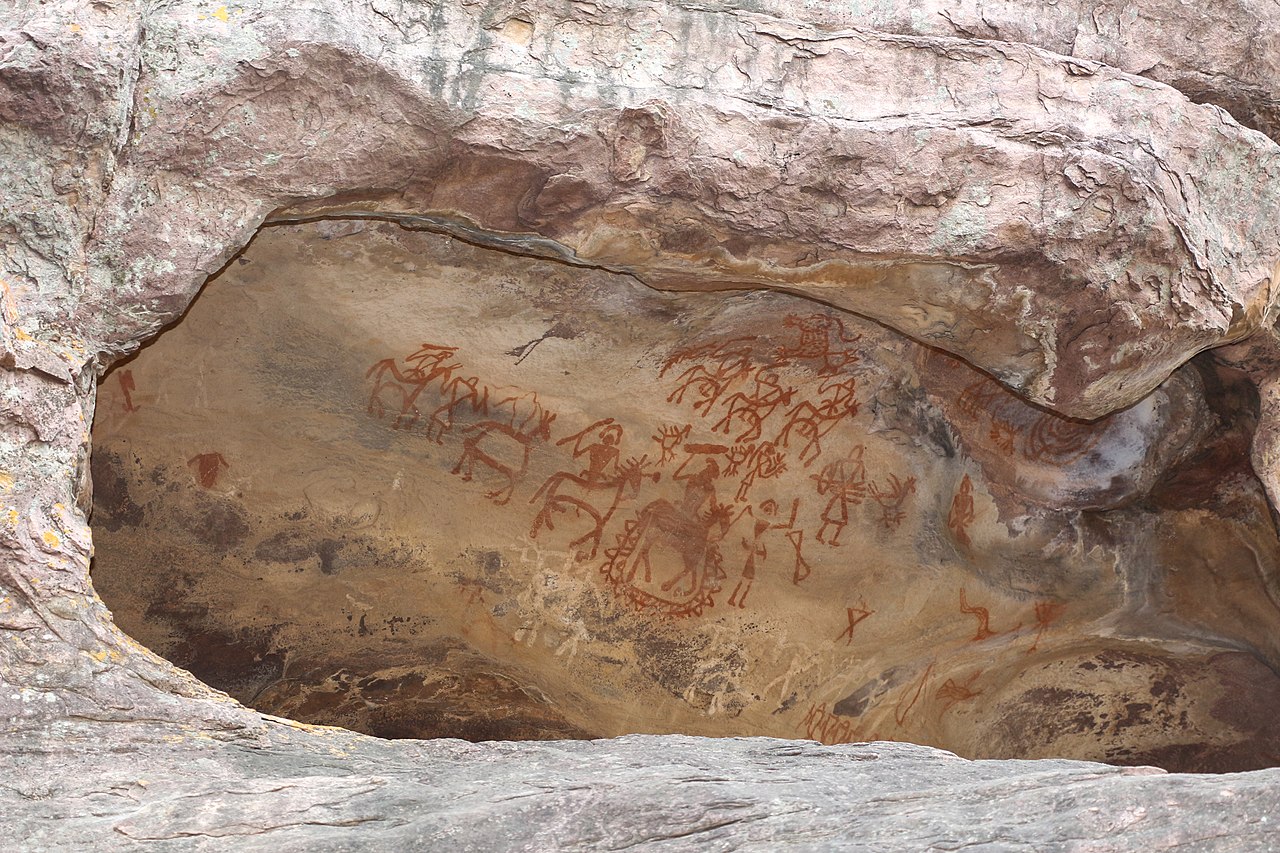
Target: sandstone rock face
point(625, 367)
point(1222, 53)
point(382, 479)
point(1101, 229)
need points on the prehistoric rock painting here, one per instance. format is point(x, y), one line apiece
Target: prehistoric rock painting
point(844, 483)
point(825, 727)
point(758, 407)
point(127, 387)
point(668, 439)
point(891, 499)
point(424, 367)
point(802, 568)
point(506, 425)
point(811, 422)
point(911, 695)
point(1047, 612)
point(952, 692)
point(504, 446)
point(763, 517)
point(730, 515)
point(823, 339)
point(712, 370)
point(855, 616)
point(471, 590)
point(1013, 426)
point(983, 617)
point(207, 467)
point(594, 494)
point(963, 512)
point(683, 535)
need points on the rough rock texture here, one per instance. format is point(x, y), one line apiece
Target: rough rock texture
point(322, 791)
point(1224, 53)
point(976, 238)
point(1101, 229)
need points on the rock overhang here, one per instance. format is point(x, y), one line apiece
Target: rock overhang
point(182, 128)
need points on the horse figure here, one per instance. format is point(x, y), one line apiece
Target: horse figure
point(429, 364)
point(407, 387)
point(692, 537)
point(470, 391)
point(755, 408)
point(813, 423)
point(565, 491)
point(732, 362)
point(504, 448)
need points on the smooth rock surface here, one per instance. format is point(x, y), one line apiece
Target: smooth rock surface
point(386, 480)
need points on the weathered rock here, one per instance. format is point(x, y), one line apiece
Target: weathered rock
point(994, 575)
point(280, 790)
point(1101, 230)
point(1222, 53)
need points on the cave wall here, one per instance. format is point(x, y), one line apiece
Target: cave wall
point(389, 480)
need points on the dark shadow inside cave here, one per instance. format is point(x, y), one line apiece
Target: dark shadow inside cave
point(388, 480)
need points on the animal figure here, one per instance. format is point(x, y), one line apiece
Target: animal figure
point(822, 338)
point(891, 498)
point(669, 438)
point(755, 408)
point(724, 365)
point(565, 491)
point(386, 375)
point(460, 392)
point(429, 363)
point(504, 448)
point(693, 538)
point(813, 422)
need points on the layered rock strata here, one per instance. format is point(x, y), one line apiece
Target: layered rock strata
point(911, 379)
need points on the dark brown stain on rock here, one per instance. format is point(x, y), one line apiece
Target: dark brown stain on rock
point(462, 698)
point(287, 546)
point(114, 508)
point(214, 522)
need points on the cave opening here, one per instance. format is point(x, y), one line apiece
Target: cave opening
point(389, 480)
